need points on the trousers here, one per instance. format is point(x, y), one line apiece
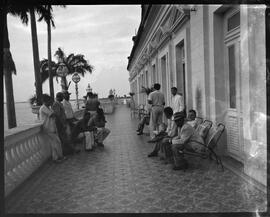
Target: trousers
point(155, 119)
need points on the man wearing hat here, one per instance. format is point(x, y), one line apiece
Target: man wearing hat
point(68, 109)
point(187, 138)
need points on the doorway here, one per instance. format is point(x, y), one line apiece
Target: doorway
point(180, 69)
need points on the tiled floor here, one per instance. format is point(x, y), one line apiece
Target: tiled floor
point(121, 178)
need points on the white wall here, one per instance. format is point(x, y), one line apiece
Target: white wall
point(197, 60)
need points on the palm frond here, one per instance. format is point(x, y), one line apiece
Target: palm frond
point(69, 58)
point(19, 11)
point(44, 69)
point(47, 15)
point(60, 55)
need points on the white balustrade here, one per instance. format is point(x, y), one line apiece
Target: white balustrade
point(79, 113)
point(25, 150)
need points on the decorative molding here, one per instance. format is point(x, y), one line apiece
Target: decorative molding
point(171, 16)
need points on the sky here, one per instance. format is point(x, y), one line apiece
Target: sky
point(103, 34)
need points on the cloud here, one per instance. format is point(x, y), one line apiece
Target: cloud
point(100, 32)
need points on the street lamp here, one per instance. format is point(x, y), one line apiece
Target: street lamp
point(76, 78)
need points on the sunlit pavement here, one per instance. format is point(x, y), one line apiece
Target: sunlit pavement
point(121, 178)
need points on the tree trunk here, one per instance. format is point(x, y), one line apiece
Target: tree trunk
point(38, 83)
point(64, 84)
point(267, 49)
point(11, 116)
point(49, 61)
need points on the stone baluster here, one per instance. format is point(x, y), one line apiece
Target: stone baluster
point(25, 152)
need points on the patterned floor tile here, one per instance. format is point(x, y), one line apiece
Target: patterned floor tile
point(121, 179)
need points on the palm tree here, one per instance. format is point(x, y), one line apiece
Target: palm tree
point(20, 10)
point(73, 63)
point(9, 68)
point(48, 17)
point(9, 65)
point(41, 11)
point(45, 71)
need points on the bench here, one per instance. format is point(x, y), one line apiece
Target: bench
point(211, 136)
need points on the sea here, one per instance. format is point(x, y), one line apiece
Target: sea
point(24, 113)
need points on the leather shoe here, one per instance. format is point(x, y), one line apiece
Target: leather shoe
point(100, 144)
point(180, 168)
point(140, 133)
point(153, 154)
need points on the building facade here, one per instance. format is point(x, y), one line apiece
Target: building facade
point(215, 55)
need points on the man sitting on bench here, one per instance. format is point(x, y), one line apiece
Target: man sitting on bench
point(191, 118)
point(187, 138)
point(83, 131)
point(163, 136)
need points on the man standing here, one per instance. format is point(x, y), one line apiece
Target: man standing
point(61, 124)
point(68, 109)
point(177, 101)
point(157, 100)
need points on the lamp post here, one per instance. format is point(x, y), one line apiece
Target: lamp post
point(76, 78)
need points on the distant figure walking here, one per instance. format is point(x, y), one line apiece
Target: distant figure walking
point(92, 103)
point(157, 100)
point(47, 117)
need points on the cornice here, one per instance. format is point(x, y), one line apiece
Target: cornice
point(169, 20)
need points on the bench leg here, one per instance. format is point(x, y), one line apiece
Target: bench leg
point(218, 160)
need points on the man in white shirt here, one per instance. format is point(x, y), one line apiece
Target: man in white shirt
point(170, 132)
point(157, 100)
point(191, 118)
point(178, 104)
point(68, 109)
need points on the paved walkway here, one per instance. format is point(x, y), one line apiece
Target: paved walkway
point(121, 178)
